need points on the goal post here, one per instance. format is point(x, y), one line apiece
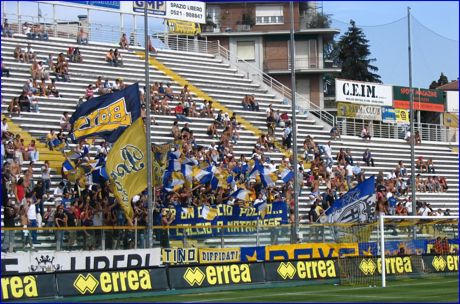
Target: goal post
point(437, 233)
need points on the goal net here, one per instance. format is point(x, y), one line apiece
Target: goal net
point(404, 247)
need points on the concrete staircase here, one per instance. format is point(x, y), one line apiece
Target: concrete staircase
point(227, 87)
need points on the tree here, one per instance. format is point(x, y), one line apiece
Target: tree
point(353, 55)
point(441, 81)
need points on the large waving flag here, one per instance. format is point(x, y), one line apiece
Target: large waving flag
point(241, 194)
point(106, 116)
point(268, 178)
point(126, 166)
point(209, 213)
point(286, 175)
point(99, 175)
point(357, 205)
point(160, 161)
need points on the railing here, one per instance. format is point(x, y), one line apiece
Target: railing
point(303, 105)
point(176, 43)
point(67, 29)
point(134, 237)
point(428, 132)
point(312, 62)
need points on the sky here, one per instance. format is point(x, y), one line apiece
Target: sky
point(435, 33)
point(435, 36)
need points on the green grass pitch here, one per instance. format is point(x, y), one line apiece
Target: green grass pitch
point(437, 290)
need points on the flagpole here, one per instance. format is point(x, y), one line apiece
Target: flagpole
point(149, 140)
point(294, 234)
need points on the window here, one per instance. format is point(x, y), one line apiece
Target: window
point(214, 13)
point(272, 14)
point(246, 50)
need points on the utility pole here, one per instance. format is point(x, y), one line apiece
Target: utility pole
point(295, 233)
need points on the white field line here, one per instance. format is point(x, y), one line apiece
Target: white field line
point(325, 293)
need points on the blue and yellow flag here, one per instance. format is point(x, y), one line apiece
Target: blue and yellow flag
point(126, 166)
point(160, 161)
point(106, 116)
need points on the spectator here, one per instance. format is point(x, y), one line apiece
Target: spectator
point(118, 60)
point(76, 56)
point(418, 139)
point(29, 53)
point(401, 169)
point(46, 176)
point(421, 164)
point(6, 134)
point(20, 55)
point(430, 166)
point(287, 135)
point(367, 158)
point(5, 71)
point(32, 151)
point(212, 130)
point(349, 156)
point(327, 152)
point(89, 93)
point(246, 102)
point(179, 111)
point(175, 132)
point(40, 32)
point(62, 69)
point(124, 43)
point(60, 220)
point(407, 136)
point(9, 216)
point(52, 90)
point(52, 140)
point(14, 107)
point(82, 36)
point(334, 133)
point(33, 103)
point(6, 29)
point(365, 134)
point(65, 122)
point(24, 101)
point(27, 30)
point(110, 58)
point(27, 87)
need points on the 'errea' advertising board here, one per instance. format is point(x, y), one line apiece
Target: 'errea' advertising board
point(366, 93)
point(216, 275)
point(28, 287)
point(301, 270)
point(82, 283)
point(55, 261)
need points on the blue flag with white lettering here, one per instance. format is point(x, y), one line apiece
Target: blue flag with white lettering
point(357, 205)
point(106, 116)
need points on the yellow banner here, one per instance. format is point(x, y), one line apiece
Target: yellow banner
point(218, 255)
point(179, 255)
point(126, 166)
point(451, 120)
point(310, 251)
point(402, 116)
point(183, 27)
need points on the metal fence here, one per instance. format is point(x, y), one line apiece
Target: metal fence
point(428, 132)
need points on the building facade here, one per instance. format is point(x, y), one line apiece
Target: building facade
point(259, 33)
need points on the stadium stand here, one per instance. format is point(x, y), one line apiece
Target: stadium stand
point(211, 76)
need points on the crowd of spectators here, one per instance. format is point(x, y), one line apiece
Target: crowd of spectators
point(82, 201)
